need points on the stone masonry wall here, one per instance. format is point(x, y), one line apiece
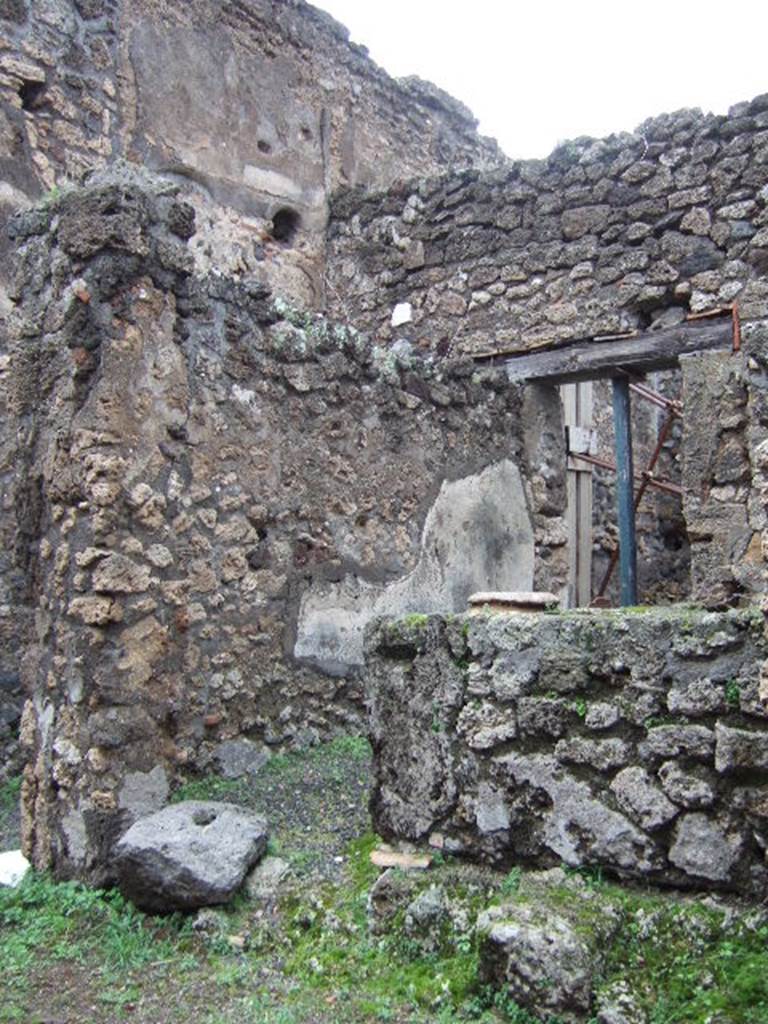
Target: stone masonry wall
point(632, 742)
point(631, 232)
point(204, 481)
point(253, 105)
point(724, 467)
point(603, 236)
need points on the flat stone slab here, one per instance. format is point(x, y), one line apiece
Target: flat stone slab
point(511, 601)
point(189, 855)
point(405, 861)
point(237, 758)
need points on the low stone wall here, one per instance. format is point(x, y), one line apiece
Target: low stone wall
point(636, 742)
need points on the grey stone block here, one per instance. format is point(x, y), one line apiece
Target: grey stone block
point(739, 748)
point(188, 855)
point(666, 741)
point(702, 849)
point(641, 799)
point(694, 788)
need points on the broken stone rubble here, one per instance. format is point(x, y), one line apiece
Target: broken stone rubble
point(544, 958)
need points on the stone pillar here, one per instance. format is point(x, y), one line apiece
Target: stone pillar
point(716, 477)
point(97, 382)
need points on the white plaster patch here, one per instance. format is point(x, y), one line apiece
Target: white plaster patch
point(243, 395)
point(491, 812)
point(13, 866)
point(477, 536)
point(44, 713)
point(402, 314)
point(73, 826)
point(67, 751)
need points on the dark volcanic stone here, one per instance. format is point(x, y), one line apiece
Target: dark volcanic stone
point(13, 10)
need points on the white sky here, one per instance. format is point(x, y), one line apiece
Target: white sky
point(538, 72)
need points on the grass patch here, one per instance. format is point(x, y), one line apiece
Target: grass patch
point(328, 760)
point(10, 793)
point(683, 962)
point(311, 958)
point(42, 921)
point(212, 787)
point(415, 620)
point(687, 963)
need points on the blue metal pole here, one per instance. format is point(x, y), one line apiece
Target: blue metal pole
point(625, 478)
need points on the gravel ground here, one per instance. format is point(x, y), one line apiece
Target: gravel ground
point(314, 802)
point(315, 805)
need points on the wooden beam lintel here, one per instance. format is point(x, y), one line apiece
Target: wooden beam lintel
point(643, 353)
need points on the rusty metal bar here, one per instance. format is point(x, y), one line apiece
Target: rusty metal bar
point(732, 311)
point(643, 391)
point(660, 485)
point(709, 314)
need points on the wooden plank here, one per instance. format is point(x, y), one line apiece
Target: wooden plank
point(584, 529)
point(624, 491)
point(407, 861)
point(643, 353)
point(577, 414)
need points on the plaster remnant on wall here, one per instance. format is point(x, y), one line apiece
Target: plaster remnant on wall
point(402, 314)
point(477, 534)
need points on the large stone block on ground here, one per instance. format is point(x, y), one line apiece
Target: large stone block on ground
point(544, 951)
point(189, 855)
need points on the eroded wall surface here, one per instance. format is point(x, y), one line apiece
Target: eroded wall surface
point(202, 475)
point(633, 742)
point(254, 105)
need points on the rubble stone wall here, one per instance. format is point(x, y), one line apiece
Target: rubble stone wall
point(603, 236)
point(724, 459)
point(634, 742)
point(253, 105)
point(209, 487)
